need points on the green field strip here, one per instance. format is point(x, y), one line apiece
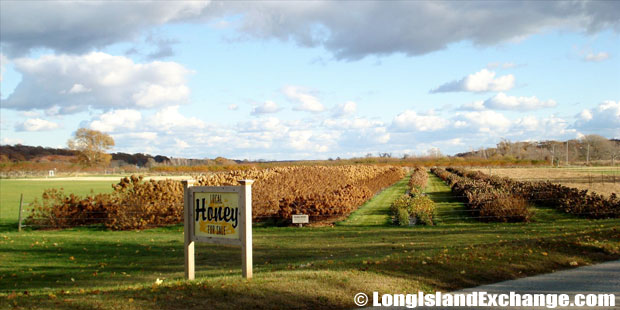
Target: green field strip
point(449, 208)
point(376, 211)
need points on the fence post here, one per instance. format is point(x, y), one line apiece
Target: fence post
point(19, 216)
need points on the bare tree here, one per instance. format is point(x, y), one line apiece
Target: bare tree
point(596, 147)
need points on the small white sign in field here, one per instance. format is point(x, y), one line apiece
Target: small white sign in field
point(300, 219)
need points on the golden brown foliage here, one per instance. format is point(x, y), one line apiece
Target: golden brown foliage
point(92, 145)
point(418, 180)
point(319, 191)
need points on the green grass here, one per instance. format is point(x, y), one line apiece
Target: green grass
point(308, 268)
point(376, 211)
point(449, 209)
point(10, 191)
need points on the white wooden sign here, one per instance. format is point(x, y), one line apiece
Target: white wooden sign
point(220, 215)
point(300, 219)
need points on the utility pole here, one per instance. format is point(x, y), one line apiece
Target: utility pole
point(552, 154)
point(567, 152)
point(588, 156)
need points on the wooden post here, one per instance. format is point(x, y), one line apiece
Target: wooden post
point(189, 243)
point(19, 216)
point(246, 229)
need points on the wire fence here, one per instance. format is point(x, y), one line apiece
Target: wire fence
point(99, 218)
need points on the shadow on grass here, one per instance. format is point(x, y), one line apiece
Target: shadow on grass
point(92, 258)
point(439, 197)
point(6, 226)
point(227, 294)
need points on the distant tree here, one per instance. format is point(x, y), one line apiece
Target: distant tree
point(92, 146)
point(434, 152)
point(596, 147)
point(504, 147)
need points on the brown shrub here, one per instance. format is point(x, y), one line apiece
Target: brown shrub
point(318, 191)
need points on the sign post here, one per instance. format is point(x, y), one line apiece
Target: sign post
point(219, 215)
point(246, 229)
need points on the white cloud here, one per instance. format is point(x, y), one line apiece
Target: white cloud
point(180, 144)
point(69, 84)
point(585, 115)
point(473, 106)
point(455, 142)
point(141, 136)
point(397, 27)
point(31, 114)
point(403, 26)
point(596, 57)
point(117, 119)
point(346, 108)
point(481, 81)
point(271, 124)
point(36, 124)
point(533, 128)
point(305, 101)
point(11, 141)
point(308, 141)
point(482, 121)
point(502, 101)
point(85, 25)
point(233, 107)
point(381, 135)
point(411, 121)
point(266, 107)
point(356, 123)
point(3, 62)
point(170, 118)
point(79, 88)
point(604, 119)
point(300, 139)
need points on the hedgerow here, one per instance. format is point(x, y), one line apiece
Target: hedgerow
point(568, 199)
point(486, 202)
point(322, 192)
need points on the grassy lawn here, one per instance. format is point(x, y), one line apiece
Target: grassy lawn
point(10, 190)
point(449, 210)
point(376, 211)
point(307, 268)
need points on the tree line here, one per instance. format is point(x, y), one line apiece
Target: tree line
point(87, 147)
point(587, 149)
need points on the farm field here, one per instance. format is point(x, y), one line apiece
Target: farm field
point(602, 180)
point(307, 268)
point(10, 190)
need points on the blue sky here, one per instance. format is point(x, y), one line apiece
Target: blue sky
point(308, 80)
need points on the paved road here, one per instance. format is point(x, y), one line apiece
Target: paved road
point(601, 278)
